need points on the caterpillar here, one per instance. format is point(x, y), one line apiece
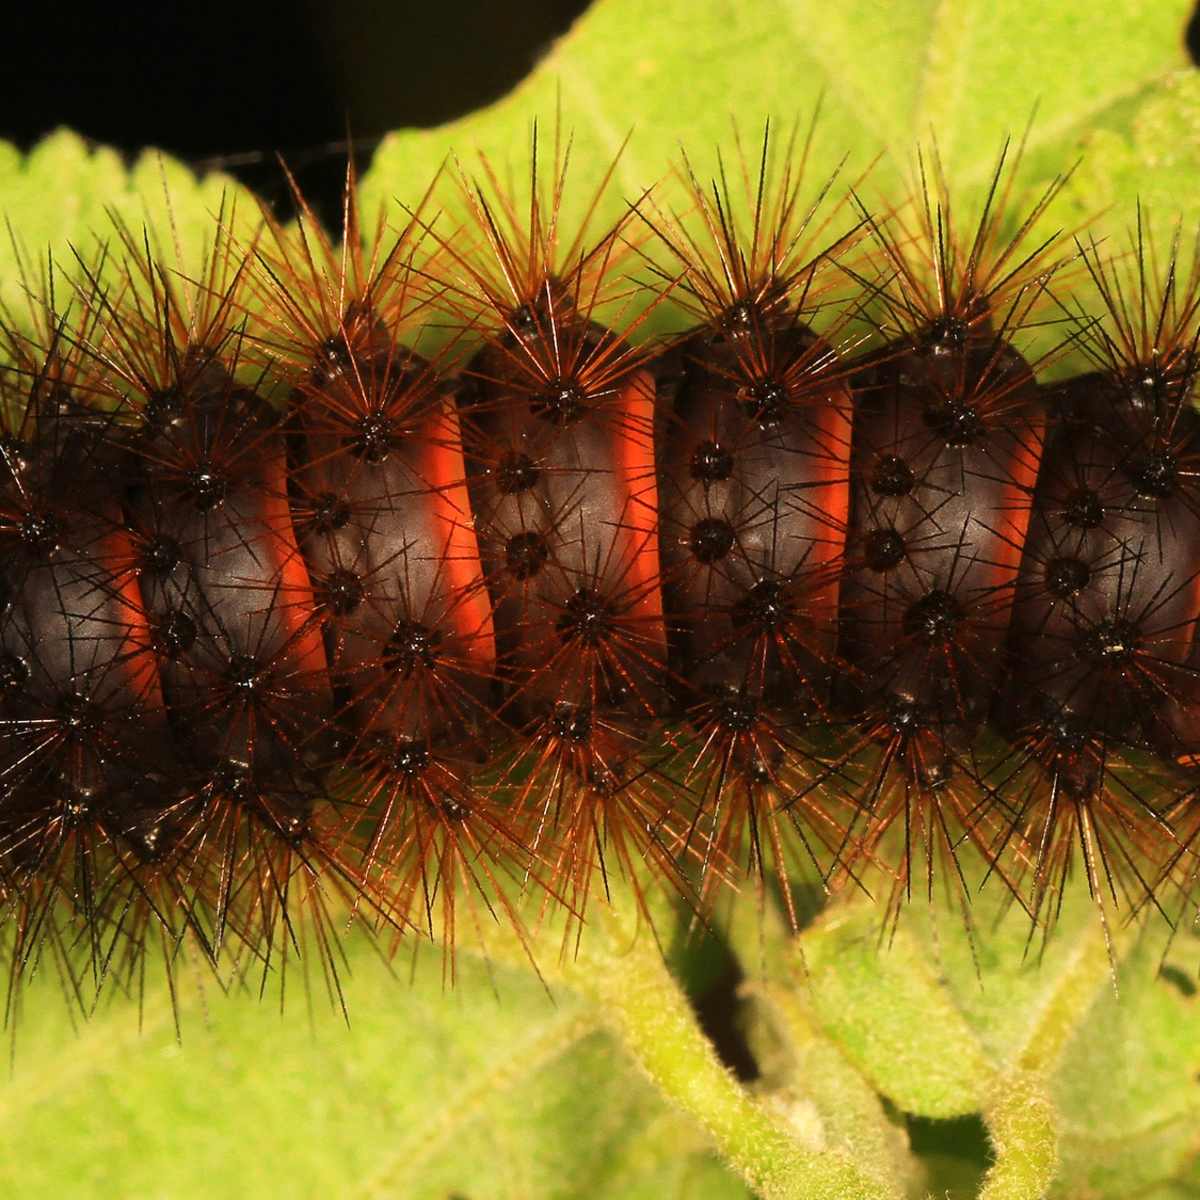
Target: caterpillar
point(407, 573)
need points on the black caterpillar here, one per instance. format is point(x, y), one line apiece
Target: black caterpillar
point(505, 595)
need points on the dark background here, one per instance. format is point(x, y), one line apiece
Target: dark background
point(229, 84)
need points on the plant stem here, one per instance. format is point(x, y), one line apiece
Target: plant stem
point(851, 1112)
point(1020, 1116)
point(1021, 1122)
point(622, 967)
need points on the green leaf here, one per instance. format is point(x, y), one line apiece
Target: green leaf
point(59, 198)
point(810, 1078)
point(971, 72)
point(1154, 160)
point(1101, 1070)
point(887, 1009)
point(1128, 1088)
point(1109, 80)
point(496, 1089)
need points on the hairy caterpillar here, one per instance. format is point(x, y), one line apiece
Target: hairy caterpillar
point(503, 594)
